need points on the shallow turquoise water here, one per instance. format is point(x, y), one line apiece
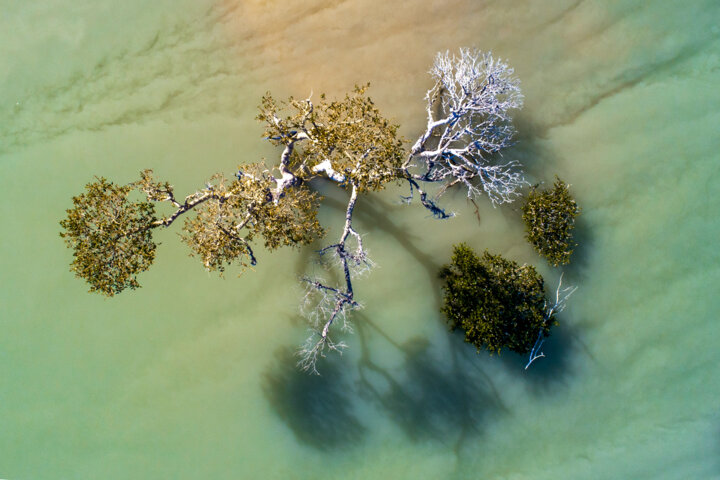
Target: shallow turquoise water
point(191, 375)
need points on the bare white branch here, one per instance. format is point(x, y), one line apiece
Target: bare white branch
point(326, 167)
point(314, 349)
point(561, 298)
point(326, 305)
point(536, 353)
point(473, 97)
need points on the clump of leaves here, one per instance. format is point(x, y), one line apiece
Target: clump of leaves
point(351, 134)
point(496, 302)
point(110, 236)
point(238, 210)
point(549, 217)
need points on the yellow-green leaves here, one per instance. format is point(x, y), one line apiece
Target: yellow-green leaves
point(351, 134)
point(225, 225)
point(213, 233)
point(155, 191)
point(290, 221)
point(359, 142)
point(110, 236)
point(549, 217)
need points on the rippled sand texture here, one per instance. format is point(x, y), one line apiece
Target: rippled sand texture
point(192, 376)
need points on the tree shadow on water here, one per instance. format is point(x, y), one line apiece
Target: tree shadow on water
point(580, 260)
point(318, 409)
point(555, 370)
point(372, 215)
point(431, 396)
point(535, 152)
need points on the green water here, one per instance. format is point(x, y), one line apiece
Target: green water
point(192, 377)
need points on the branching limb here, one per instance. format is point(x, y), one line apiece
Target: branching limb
point(313, 349)
point(156, 191)
point(473, 97)
point(426, 202)
point(561, 297)
point(328, 303)
point(238, 238)
point(535, 352)
point(287, 176)
point(325, 167)
point(191, 202)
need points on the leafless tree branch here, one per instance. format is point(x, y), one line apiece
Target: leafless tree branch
point(328, 304)
point(468, 118)
point(551, 309)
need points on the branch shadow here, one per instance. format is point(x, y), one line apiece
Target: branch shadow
point(554, 371)
point(578, 268)
point(532, 151)
point(430, 396)
point(446, 397)
point(545, 374)
point(319, 410)
point(372, 213)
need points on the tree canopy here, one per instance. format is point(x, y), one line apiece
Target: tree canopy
point(110, 236)
point(349, 143)
point(549, 217)
point(349, 139)
point(469, 117)
point(497, 302)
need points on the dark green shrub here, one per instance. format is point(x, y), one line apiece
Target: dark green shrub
point(549, 217)
point(496, 302)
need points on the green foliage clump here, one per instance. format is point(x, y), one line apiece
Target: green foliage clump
point(351, 133)
point(496, 302)
point(549, 217)
point(348, 141)
point(246, 204)
point(111, 236)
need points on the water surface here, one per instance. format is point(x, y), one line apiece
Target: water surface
point(192, 376)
